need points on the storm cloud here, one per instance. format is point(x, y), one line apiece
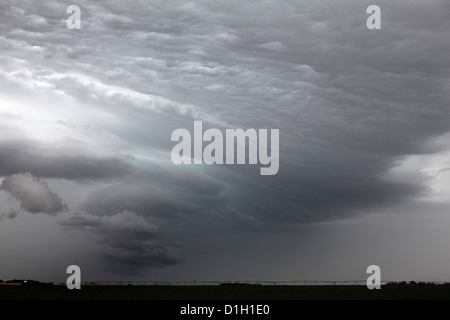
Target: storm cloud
point(34, 195)
point(363, 116)
point(128, 243)
point(76, 152)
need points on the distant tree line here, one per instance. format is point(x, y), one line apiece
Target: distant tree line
point(26, 282)
point(414, 283)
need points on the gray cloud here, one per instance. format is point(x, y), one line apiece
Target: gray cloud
point(10, 215)
point(75, 153)
point(348, 105)
point(129, 244)
point(98, 105)
point(34, 195)
point(158, 192)
point(59, 162)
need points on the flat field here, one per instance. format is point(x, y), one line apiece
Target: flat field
point(227, 292)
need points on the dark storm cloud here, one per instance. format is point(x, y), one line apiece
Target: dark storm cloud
point(34, 195)
point(128, 243)
point(98, 106)
point(59, 162)
point(158, 192)
point(10, 215)
point(349, 102)
point(74, 153)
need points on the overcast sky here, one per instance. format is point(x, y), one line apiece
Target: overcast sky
point(86, 118)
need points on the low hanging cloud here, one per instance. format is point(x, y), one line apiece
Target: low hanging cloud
point(34, 195)
point(8, 215)
point(60, 150)
point(157, 192)
point(129, 243)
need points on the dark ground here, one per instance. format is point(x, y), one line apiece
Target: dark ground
point(227, 292)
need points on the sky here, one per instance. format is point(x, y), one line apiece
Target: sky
point(86, 117)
